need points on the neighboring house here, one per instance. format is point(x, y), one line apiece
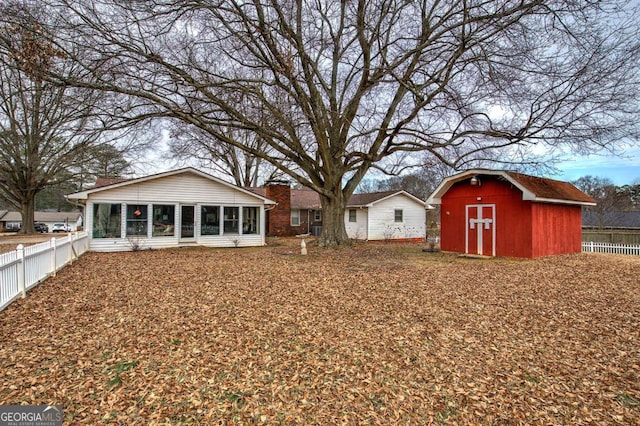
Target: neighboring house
point(613, 227)
point(10, 221)
point(13, 220)
point(172, 209)
point(503, 213)
point(390, 215)
point(297, 211)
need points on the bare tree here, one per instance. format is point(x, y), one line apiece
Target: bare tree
point(46, 130)
point(188, 144)
point(632, 192)
point(611, 200)
point(347, 87)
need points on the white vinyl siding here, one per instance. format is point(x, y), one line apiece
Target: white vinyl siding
point(378, 221)
point(188, 187)
point(382, 216)
point(358, 229)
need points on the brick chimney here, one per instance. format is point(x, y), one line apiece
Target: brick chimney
point(279, 217)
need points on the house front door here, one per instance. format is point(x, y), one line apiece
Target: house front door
point(480, 232)
point(187, 222)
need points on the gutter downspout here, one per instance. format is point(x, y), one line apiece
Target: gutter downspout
point(83, 207)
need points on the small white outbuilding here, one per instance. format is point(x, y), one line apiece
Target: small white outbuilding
point(390, 215)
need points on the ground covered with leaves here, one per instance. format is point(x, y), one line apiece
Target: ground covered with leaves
point(9, 242)
point(374, 334)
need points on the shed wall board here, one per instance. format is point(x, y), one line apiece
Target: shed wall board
point(557, 229)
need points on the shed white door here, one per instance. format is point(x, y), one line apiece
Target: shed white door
point(480, 232)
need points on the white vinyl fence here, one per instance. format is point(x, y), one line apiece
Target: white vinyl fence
point(25, 267)
point(591, 247)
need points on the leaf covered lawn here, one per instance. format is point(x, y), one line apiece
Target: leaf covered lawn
point(375, 334)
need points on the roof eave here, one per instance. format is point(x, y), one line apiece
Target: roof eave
point(527, 195)
point(447, 183)
point(77, 196)
point(401, 192)
point(569, 202)
point(85, 194)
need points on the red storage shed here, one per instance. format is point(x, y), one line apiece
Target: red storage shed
point(503, 213)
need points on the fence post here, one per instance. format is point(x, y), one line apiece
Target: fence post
point(53, 256)
point(70, 248)
point(21, 284)
point(591, 250)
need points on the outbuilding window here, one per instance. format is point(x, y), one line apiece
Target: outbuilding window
point(397, 215)
point(318, 216)
point(106, 220)
point(352, 215)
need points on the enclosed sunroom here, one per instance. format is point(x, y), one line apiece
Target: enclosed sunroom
point(172, 209)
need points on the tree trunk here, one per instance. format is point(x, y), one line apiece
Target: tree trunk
point(27, 208)
point(334, 232)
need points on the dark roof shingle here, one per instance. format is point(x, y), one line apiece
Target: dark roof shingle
point(104, 181)
point(307, 199)
point(550, 188)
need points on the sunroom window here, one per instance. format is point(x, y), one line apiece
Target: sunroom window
point(231, 220)
point(106, 220)
point(136, 219)
point(210, 220)
point(250, 220)
point(164, 220)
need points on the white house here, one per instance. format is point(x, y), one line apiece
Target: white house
point(172, 209)
point(391, 215)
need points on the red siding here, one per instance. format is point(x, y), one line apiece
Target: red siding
point(523, 228)
point(557, 229)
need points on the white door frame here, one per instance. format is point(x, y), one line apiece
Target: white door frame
point(482, 222)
